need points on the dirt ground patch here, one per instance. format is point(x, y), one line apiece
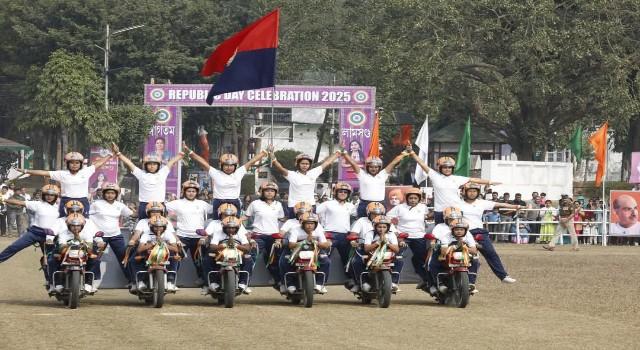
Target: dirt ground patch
point(562, 300)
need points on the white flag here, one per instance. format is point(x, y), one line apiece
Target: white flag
point(422, 141)
point(15, 174)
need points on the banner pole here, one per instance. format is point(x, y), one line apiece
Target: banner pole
point(604, 201)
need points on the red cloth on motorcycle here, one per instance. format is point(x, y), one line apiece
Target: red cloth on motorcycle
point(479, 237)
point(403, 235)
point(328, 235)
point(429, 237)
point(201, 232)
point(276, 236)
point(353, 237)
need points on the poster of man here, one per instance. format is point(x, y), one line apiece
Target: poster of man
point(395, 195)
point(624, 213)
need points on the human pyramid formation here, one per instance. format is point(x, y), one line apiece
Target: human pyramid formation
point(278, 232)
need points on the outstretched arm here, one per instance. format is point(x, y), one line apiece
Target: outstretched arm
point(327, 162)
point(116, 150)
point(395, 162)
point(420, 162)
point(34, 172)
point(201, 161)
point(100, 162)
point(275, 164)
point(175, 159)
point(13, 202)
point(255, 159)
point(354, 165)
point(483, 181)
point(507, 206)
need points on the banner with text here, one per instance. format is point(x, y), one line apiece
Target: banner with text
point(164, 141)
point(107, 173)
point(355, 137)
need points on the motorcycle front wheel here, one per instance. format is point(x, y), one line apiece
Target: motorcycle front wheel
point(229, 284)
point(158, 288)
point(383, 278)
point(460, 289)
point(308, 282)
point(74, 287)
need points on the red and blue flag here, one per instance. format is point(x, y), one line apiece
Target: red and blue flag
point(246, 60)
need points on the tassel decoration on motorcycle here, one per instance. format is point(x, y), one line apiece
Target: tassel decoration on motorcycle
point(159, 254)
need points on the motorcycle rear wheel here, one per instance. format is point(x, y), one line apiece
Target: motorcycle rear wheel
point(158, 288)
point(229, 285)
point(383, 279)
point(308, 282)
point(460, 292)
point(74, 287)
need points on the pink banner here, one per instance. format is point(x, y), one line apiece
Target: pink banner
point(107, 173)
point(635, 168)
point(355, 137)
point(164, 141)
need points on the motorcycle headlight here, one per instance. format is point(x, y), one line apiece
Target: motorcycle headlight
point(307, 255)
point(458, 255)
point(75, 254)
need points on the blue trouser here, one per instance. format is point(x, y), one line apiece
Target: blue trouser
point(290, 212)
point(140, 265)
point(265, 242)
point(209, 265)
point(218, 202)
point(285, 267)
point(142, 210)
point(490, 255)
point(191, 244)
point(119, 248)
point(343, 246)
point(55, 265)
point(362, 208)
point(33, 235)
point(436, 267)
point(438, 217)
point(419, 247)
point(83, 200)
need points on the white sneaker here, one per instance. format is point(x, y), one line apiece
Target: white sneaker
point(59, 288)
point(433, 290)
point(443, 289)
point(355, 289)
point(204, 290)
point(283, 290)
point(214, 286)
point(395, 287)
point(142, 285)
point(323, 290)
point(366, 287)
point(244, 288)
point(171, 286)
point(317, 288)
point(473, 290)
point(88, 288)
point(291, 289)
point(508, 279)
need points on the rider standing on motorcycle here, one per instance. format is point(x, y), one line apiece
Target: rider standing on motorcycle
point(266, 213)
point(335, 216)
point(302, 182)
point(75, 223)
point(472, 210)
point(152, 181)
point(373, 240)
point(446, 186)
point(74, 181)
point(226, 181)
point(191, 214)
point(372, 180)
point(157, 232)
point(307, 232)
point(105, 214)
point(458, 234)
point(230, 229)
point(410, 217)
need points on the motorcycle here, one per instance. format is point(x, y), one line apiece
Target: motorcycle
point(305, 259)
point(456, 276)
point(378, 273)
point(73, 270)
point(230, 261)
point(156, 274)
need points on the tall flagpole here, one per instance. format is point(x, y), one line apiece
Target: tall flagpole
point(604, 201)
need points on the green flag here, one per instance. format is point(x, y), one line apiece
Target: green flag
point(576, 143)
point(463, 163)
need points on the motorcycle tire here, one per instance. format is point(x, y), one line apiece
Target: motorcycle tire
point(460, 292)
point(308, 282)
point(74, 287)
point(295, 299)
point(229, 285)
point(383, 288)
point(158, 288)
point(365, 299)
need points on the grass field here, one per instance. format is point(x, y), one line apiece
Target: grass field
point(562, 300)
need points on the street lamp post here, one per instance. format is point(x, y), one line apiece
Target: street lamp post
point(107, 49)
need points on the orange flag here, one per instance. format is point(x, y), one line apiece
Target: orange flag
point(599, 142)
point(374, 151)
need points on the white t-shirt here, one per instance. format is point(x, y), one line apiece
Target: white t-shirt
point(616, 230)
point(265, 216)
point(86, 235)
point(440, 231)
point(372, 187)
point(446, 189)
point(336, 216)
point(191, 215)
point(297, 234)
point(74, 185)
point(410, 219)
point(107, 216)
point(293, 223)
point(473, 212)
point(364, 225)
point(302, 186)
point(46, 214)
point(89, 228)
point(219, 236)
point(143, 227)
point(369, 238)
point(468, 239)
point(152, 187)
point(167, 237)
point(216, 226)
point(227, 186)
